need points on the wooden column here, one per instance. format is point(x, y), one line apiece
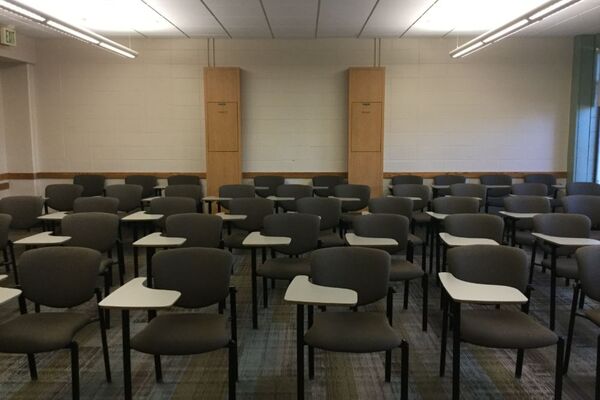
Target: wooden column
point(366, 94)
point(223, 127)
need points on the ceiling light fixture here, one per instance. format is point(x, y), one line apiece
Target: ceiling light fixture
point(524, 21)
point(85, 35)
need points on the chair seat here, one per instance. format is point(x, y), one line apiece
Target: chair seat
point(363, 332)
point(331, 239)
point(593, 315)
point(402, 270)
point(504, 329)
point(421, 218)
point(284, 268)
point(235, 240)
point(41, 332)
point(495, 201)
point(524, 238)
point(416, 240)
point(565, 267)
point(179, 333)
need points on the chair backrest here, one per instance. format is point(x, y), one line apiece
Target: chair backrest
point(546, 179)
point(392, 205)
point(59, 277)
point(295, 191)
point(183, 180)
point(191, 191)
point(588, 265)
point(130, 196)
point(330, 210)
point(4, 229)
point(364, 270)
point(455, 205)
point(96, 204)
point(477, 225)
point(496, 179)
point(530, 189)
point(589, 188)
point(406, 180)
point(200, 230)
point(490, 265)
point(413, 190)
point(255, 209)
point(303, 229)
point(392, 226)
point(147, 182)
point(93, 185)
point(201, 275)
point(61, 196)
point(24, 210)
point(583, 204)
point(330, 181)
point(170, 206)
point(98, 231)
point(469, 190)
point(363, 192)
point(565, 225)
point(235, 192)
point(447, 180)
point(270, 181)
point(527, 204)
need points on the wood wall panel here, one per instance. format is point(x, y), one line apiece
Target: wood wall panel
point(222, 119)
point(367, 125)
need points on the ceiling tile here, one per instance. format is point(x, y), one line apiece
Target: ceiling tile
point(392, 17)
point(241, 18)
point(292, 18)
point(343, 18)
point(191, 16)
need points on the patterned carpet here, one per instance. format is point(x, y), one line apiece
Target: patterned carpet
point(267, 358)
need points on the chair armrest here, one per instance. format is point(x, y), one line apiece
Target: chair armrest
point(7, 294)
point(354, 240)
point(135, 295)
point(468, 292)
point(302, 291)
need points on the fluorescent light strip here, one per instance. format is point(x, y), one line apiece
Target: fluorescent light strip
point(72, 31)
point(21, 11)
point(68, 28)
point(524, 21)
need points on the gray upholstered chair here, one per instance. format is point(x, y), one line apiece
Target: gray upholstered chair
point(455, 205)
point(295, 191)
point(350, 209)
point(93, 185)
point(587, 188)
point(198, 229)
point(60, 197)
point(108, 205)
point(365, 271)
point(526, 204)
point(170, 206)
point(304, 230)
point(24, 210)
point(588, 259)
point(191, 191)
point(329, 181)
point(476, 225)
point(400, 206)
point(7, 247)
point(183, 180)
point(586, 205)
point(504, 328)
point(255, 209)
point(202, 277)
point(395, 226)
point(147, 182)
point(235, 192)
point(330, 211)
point(529, 189)
point(446, 180)
point(469, 190)
point(269, 181)
point(57, 277)
point(406, 180)
point(130, 196)
point(495, 196)
point(420, 217)
point(547, 179)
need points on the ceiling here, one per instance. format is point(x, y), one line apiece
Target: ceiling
point(283, 19)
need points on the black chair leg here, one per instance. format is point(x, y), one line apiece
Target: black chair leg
point(75, 369)
point(424, 256)
point(232, 369)
point(560, 348)
point(533, 250)
point(598, 368)
point(456, 351)
point(158, 368)
point(104, 341)
point(32, 367)
point(388, 365)
point(425, 284)
point(265, 292)
point(571, 328)
point(13, 261)
point(519, 369)
point(404, 372)
point(406, 287)
point(444, 340)
point(581, 300)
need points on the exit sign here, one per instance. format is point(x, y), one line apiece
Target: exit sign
point(8, 36)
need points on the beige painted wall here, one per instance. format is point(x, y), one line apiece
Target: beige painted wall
point(503, 109)
point(24, 51)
